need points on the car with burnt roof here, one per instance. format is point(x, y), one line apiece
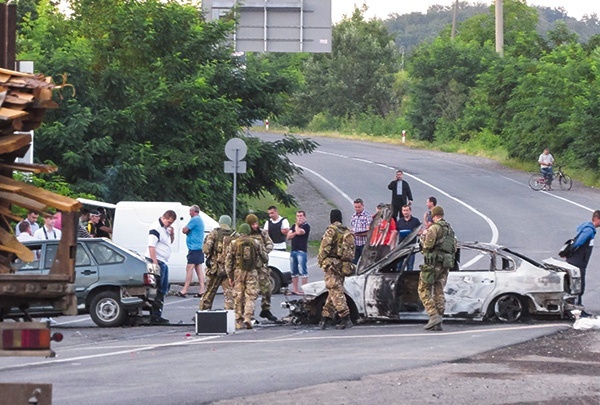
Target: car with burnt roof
point(488, 281)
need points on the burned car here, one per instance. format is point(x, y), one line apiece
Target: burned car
point(488, 281)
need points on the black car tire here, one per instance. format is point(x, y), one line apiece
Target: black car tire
point(106, 310)
point(275, 281)
point(508, 308)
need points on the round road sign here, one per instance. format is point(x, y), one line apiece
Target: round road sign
point(236, 145)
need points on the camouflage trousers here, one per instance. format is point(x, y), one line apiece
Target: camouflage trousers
point(336, 299)
point(266, 287)
point(214, 281)
point(431, 290)
point(245, 292)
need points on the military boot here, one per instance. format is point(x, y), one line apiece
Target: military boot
point(437, 328)
point(324, 322)
point(265, 313)
point(433, 321)
point(346, 322)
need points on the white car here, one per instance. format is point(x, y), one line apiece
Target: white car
point(488, 281)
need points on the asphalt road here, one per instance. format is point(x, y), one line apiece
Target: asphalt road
point(171, 365)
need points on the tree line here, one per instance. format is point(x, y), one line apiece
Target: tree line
point(460, 93)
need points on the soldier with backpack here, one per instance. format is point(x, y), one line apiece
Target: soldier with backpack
point(335, 258)
point(244, 256)
point(439, 251)
point(215, 250)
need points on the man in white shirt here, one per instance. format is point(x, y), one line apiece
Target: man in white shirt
point(48, 231)
point(160, 238)
point(277, 227)
point(25, 231)
point(32, 217)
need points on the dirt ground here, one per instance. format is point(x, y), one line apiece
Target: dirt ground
point(557, 369)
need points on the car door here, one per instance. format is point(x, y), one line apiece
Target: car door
point(470, 283)
point(386, 286)
point(86, 271)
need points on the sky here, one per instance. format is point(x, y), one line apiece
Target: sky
point(382, 8)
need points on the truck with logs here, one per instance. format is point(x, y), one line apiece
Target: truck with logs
point(24, 99)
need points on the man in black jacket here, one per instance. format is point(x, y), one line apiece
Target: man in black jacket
point(401, 194)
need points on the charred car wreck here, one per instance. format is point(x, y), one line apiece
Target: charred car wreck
point(488, 282)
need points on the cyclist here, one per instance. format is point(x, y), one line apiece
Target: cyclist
point(546, 161)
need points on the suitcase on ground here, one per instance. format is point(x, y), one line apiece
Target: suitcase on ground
point(215, 322)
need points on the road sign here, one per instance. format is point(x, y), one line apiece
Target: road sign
point(230, 167)
point(236, 149)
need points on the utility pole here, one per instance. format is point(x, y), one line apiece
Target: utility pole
point(453, 34)
point(500, 27)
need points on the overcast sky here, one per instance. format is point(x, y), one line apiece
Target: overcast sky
point(382, 8)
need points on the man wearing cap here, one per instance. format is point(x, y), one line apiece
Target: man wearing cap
point(439, 249)
point(264, 273)
point(215, 249)
point(96, 226)
point(244, 275)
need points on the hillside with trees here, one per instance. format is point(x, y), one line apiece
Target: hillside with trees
point(413, 29)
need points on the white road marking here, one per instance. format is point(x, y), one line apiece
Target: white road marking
point(491, 224)
point(321, 337)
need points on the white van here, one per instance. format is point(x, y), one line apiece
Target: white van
point(131, 222)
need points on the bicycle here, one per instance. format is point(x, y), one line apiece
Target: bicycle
point(537, 181)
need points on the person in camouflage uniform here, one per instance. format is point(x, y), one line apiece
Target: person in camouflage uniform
point(218, 239)
point(244, 279)
point(439, 250)
point(329, 260)
point(264, 273)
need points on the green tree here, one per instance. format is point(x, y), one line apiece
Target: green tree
point(357, 77)
point(158, 94)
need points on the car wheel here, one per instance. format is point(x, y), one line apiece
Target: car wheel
point(275, 282)
point(106, 310)
point(508, 308)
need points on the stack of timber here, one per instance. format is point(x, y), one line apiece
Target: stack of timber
point(24, 99)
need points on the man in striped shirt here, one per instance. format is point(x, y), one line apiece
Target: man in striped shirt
point(359, 225)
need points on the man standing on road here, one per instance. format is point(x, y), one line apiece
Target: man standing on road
point(278, 228)
point(194, 230)
point(406, 224)
point(335, 254)
point(359, 225)
point(439, 249)
point(583, 244)
point(401, 194)
point(298, 234)
point(160, 237)
point(215, 249)
point(243, 258)
point(427, 217)
point(546, 160)
point(264, 272)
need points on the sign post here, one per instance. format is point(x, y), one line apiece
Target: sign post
point(236, 150)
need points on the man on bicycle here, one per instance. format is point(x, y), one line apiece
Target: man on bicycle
point(546, 161)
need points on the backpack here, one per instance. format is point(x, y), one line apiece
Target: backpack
point(447, 244)
point(245, 255)
point(343, 245)
point(219, 247)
